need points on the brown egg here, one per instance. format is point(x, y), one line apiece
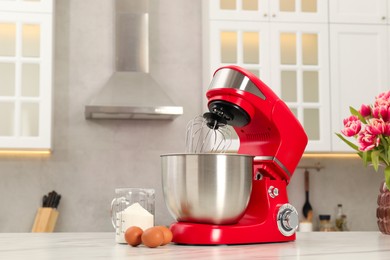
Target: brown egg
point(152, 237)
point(133, 235)
point(167, 234)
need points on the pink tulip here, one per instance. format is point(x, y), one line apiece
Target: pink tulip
point(376, 126)
point(365, 110)
point(387, 129)
point(381, 111)
point(381, 107)
point(367, 141)
point(352, 126)
point(384, 95)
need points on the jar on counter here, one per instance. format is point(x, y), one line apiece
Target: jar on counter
point(341, 219)
point(325, 224)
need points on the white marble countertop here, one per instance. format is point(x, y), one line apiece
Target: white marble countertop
point(315, 245)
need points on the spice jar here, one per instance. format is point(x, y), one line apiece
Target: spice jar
point(325, 224)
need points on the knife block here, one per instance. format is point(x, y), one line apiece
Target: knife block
point(45, 220)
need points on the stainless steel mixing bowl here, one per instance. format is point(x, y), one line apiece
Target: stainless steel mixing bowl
point(207, 188)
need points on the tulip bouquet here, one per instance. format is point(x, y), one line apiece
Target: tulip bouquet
point(370, 127)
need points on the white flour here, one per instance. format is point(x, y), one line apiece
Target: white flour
point(134, 215)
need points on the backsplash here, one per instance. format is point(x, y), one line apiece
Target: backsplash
point(341, 181)
point(92, 158)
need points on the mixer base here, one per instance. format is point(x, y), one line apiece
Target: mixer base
point(205, 234)
point(258, 225)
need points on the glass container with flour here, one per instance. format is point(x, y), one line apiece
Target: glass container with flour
point(132, 207)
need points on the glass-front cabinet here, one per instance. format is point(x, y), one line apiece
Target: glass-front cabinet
point(290, 57)
point(245, 44)
point(25, 74)
point(300, 76)
point(312, 11)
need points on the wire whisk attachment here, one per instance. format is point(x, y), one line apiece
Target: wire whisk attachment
point(207, 134)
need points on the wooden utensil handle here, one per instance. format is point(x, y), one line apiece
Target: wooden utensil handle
point(306, 180)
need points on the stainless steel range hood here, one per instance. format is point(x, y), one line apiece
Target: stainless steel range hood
point(131, 92)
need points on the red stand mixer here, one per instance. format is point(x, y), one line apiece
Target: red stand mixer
point(271, 134)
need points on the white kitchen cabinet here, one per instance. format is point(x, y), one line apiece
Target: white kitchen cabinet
point(308, 11)
point(359, 11)
point(359, 70)
point(359, 53)
point(29, 6)
point(245, 44)
point(26, 52)
point(291, 58)
point(244, 10)
point(269, 10)
point(300, 76)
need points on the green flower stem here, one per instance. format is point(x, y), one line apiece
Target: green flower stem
point(365, 158)
point(385, 144)
point(388, 154)
point(375, 159)
point(387, 177)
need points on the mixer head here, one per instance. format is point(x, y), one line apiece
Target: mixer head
point(265, 126)
point(224, 111)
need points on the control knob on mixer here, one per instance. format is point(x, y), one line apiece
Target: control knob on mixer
point(287, 219)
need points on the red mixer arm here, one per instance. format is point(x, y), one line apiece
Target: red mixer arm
point(293, 139)
point(290, 147)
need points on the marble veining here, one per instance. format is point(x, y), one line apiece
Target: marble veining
point(315, 245)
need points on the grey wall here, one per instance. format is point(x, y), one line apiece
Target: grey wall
point(92, 158)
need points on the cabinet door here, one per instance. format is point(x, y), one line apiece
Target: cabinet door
point(300, 76)
point(358, 11)
point(358, 70)
point(30, 6)
point(241, 43)
point(25, 80)
point(308, 11)
point(245, 10)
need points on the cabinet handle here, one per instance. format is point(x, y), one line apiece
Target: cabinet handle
point(383, 17)
point(274, 15)
point(265, 14)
